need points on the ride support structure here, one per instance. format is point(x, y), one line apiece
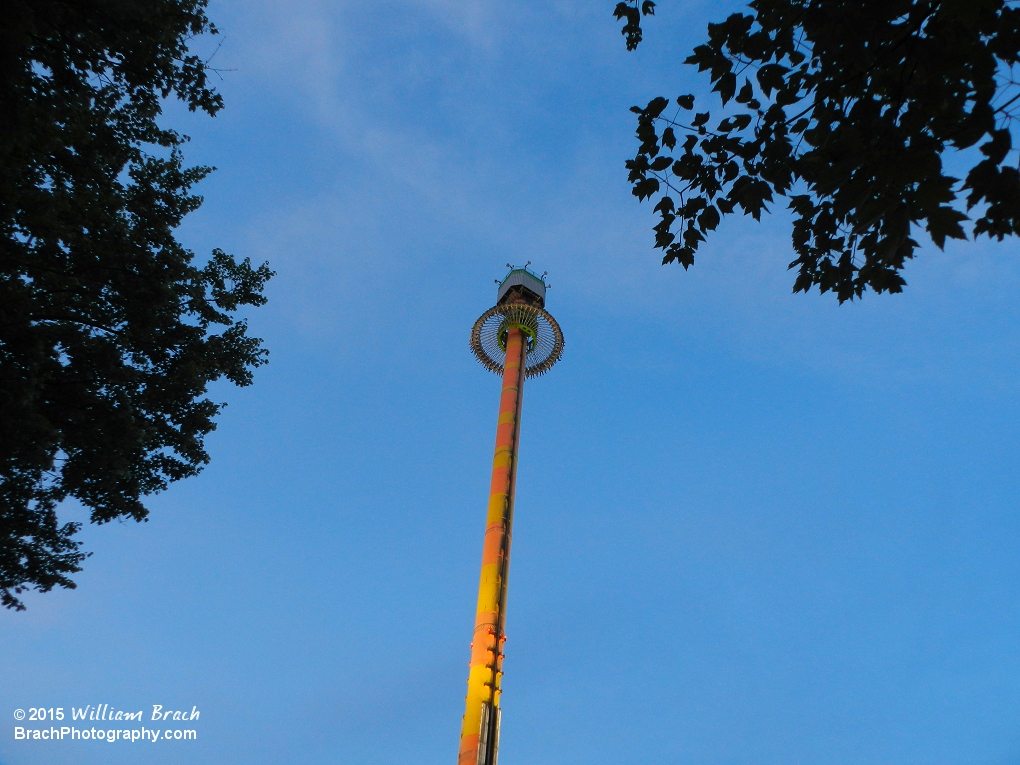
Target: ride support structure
point(516, 338)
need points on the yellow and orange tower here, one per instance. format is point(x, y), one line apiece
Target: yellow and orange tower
point(516, 339)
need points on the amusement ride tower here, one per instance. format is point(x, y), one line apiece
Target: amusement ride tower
point(516, 338)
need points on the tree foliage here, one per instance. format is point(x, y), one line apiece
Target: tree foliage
point(847, 109)
point(109, 331)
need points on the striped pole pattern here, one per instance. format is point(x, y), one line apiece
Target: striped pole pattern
point(479, 738)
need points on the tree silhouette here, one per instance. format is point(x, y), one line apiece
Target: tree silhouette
point(847, 109)
point(109, 332)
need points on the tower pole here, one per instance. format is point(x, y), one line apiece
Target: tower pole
point(479, 738)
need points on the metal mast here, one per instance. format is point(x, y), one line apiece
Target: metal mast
point(517, 339)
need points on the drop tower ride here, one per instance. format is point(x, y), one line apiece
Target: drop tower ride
point(516, 339)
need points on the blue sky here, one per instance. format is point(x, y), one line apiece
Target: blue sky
point(752, 527)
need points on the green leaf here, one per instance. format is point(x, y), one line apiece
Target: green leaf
point(746, 92)
point(708, 219)
point(645, 188)
point(655, 107)
point(945, 222)
point(725, 86)
point(741, 121)
point(771, 77)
